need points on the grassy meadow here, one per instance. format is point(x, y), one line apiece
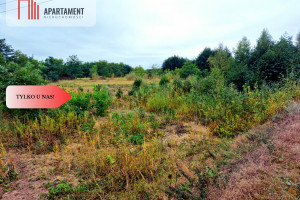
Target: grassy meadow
point(224, 125)
point(123, 139)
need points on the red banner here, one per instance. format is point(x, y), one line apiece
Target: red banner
point(34, 97)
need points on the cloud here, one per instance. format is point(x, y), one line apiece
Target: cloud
point(140, 32)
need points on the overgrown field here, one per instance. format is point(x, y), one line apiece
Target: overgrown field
point(157, 141)
point(173, 133)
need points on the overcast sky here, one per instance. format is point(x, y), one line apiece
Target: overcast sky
point(145, 32)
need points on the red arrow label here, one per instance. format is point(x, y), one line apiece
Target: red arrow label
point(35, 97)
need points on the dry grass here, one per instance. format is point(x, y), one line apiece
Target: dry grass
point(179, 159)
point(87, 82)
point(269, 172)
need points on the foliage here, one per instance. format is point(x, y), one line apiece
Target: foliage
point(221, 59)
point(46, 133)
point(96, 102)
point(137, 84)
point(277, 61)
point(202, 60)
point(53, 68)
point(2, 60)
point(140, 72)
point(5, 49)
point(102, 101)
point(119, 93)
point(64, 188)
point(94, 71)
point(243, 52)
point(73, 67)
point(189, 69)
point(14, 74)
point(106, 69)
point(177, 84)
point(173, 62)
point(163, 81)
point(157, 142)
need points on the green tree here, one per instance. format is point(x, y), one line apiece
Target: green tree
point(86, 68)
point(173, 62)
point(278, 60)
point(21, 59)
point(188, 69)
point(5, 49)
point(73, 67)
point(243, 51)
point(2, 60)
point(140, 72)
point(222, 58)
point(94, 71)
point(298, 41)
point(239, 75)
point(202, 60)
point(14, 74)
point(103, 69)
point(53, 68)
point(297, 59)
point(264, 44)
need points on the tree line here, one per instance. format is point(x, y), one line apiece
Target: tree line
point(54, 69)
point(269, 61)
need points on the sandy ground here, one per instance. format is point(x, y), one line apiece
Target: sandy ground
point(272, 170)
point(28, 185)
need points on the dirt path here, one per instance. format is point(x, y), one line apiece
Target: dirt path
point(271, 171)
point(28, 185)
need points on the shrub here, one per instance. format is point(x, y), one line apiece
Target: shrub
point(131, 92)
point(163, 81)
point(173, 62)
point(189, 69)
point(177, 84)
point(119, 93)
point(137, 84)
point(131, 126)
point(131, 76)
point(96, 102)
point(102, 101)
point(186, 86)
point(14, 74)
point(80, 102)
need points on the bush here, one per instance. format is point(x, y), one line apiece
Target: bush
point(132, 127)
point(163, 81)
point(173, 62)
point(177, 84)
point(189, 69)
point(96, 102)
point(80, 102)
point(187, 86)
point(119, 93)
point(131, 76)
point(14, 74)
point(102, 101)
point(137, 84)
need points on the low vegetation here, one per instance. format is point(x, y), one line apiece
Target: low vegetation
point(150, 137)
